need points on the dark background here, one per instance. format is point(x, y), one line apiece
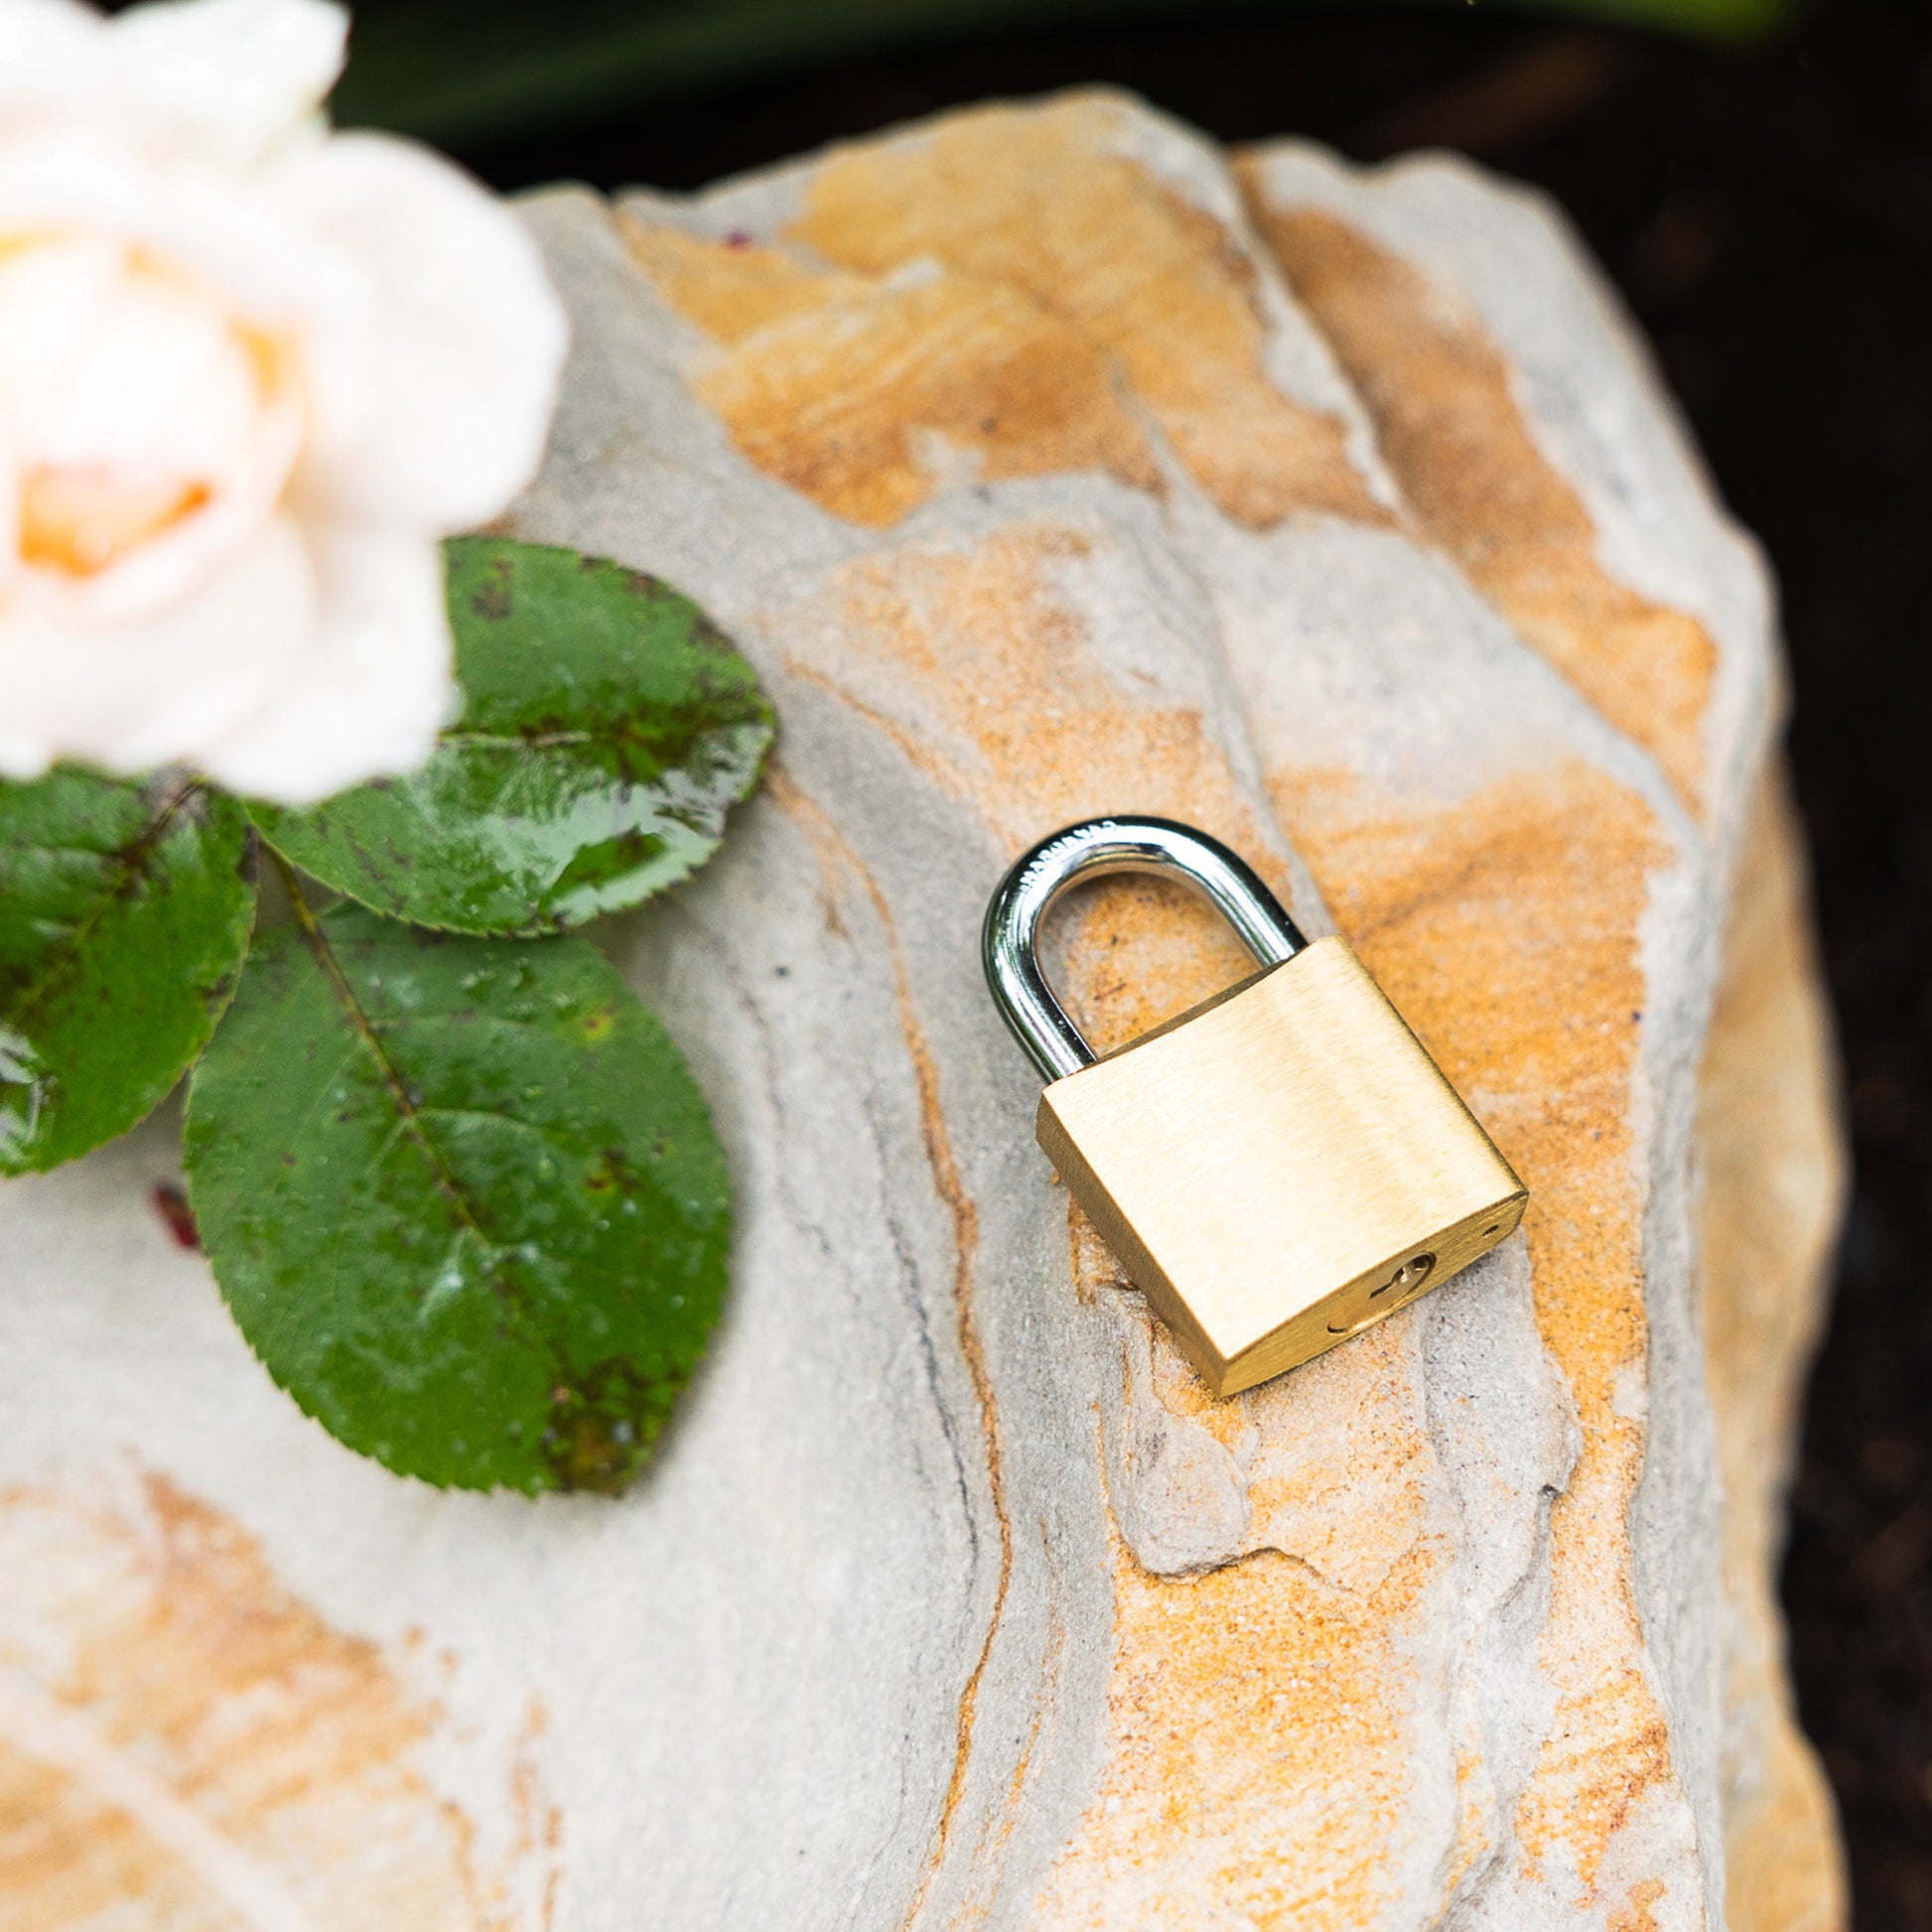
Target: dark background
point(1768, 217)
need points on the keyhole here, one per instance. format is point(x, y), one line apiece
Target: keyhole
point(1409, 1276)
point(1398, 1288)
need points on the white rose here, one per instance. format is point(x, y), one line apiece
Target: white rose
point(250, 374)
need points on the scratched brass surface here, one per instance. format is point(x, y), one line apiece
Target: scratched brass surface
point(1266, 1166)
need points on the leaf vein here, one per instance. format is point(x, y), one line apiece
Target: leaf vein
point(407, 1111)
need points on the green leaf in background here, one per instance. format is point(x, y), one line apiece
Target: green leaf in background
point(463, 1197)
point(458, 72)
point(608, 729)
point(124, 913)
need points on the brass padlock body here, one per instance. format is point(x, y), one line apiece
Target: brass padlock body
point(1279, 1167)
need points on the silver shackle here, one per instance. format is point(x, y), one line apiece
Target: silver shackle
point(1010, 938)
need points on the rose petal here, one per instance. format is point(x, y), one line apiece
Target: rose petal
point(231, 81)
point(192, 215)
point(53, 56)
point(138, 386)
point(374, 685)
point(138, 694)
point(440, 411)
point(22, 758)
point(228, 78)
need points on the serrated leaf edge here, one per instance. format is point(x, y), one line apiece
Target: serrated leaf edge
point(768, 723)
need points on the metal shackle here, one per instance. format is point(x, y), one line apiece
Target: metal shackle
point(1010, 938)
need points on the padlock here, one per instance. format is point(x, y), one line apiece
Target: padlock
point(1277, 1168)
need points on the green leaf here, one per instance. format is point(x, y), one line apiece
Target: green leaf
point(124, 913)
point(463, 72)
point(463, 1197)
point(607, 731)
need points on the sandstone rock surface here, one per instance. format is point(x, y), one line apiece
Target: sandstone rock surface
point(1049, 462)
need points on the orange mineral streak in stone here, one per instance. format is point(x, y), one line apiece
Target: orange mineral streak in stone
point(1255, 1765)
point(978, 665)
point(1771, 1153)
point(1637, 1917)
point(1506, 931)
point(859, 393)
point(1044, 205)
point(1475, 1821)
point(186, 1748)
point(1449, 428)
point(1152, 956)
